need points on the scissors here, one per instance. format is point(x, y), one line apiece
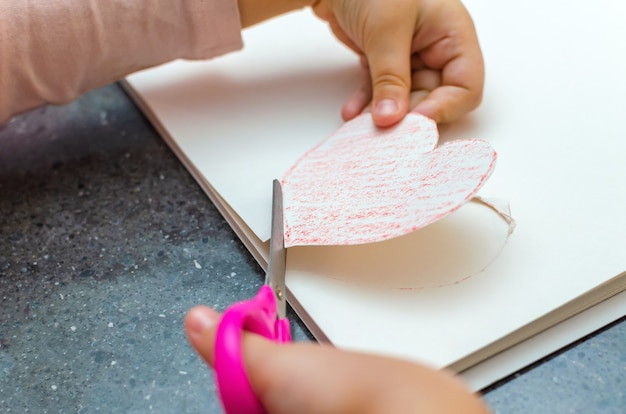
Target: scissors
point(265, 315)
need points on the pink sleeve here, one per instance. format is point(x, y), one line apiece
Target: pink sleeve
point(51, 51)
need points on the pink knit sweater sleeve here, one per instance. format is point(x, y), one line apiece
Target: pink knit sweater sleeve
point(51, 51)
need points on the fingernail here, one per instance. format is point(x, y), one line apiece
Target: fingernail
point(386, 107)
point(200, 320)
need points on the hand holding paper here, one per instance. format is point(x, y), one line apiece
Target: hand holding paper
point(444, 63)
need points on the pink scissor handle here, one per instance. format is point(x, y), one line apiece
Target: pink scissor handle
point(258, 315)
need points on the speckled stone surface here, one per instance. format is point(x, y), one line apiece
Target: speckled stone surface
point(106, 242)
point(587, 377)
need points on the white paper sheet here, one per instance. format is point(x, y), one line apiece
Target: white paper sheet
point(553, 109)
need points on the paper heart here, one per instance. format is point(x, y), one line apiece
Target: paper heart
point(365, 184)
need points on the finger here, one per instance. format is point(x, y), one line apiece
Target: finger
point(422, 83)
point(462, 74)
point(462, 81)
point(286, 378)
point(417, 63)
point(388, 51)
point(358, 101)
point(315, 379)
point(416, 97)
point(446, 104)
point(200, 324)
point(425, 79)
point(261, 364)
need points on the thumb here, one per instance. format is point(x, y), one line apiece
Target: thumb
point(201, 326)
point(388, 51)
point(286, 378)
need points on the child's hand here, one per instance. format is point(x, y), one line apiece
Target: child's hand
point(424, 46)
point(309, 378)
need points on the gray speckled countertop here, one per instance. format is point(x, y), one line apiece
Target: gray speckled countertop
point(106, 242)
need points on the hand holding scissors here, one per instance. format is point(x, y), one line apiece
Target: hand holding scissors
point(343, 378)
point(265, 315)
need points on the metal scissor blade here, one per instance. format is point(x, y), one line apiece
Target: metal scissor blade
point(275, 276)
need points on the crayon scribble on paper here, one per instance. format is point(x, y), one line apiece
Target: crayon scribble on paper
point(364, 184)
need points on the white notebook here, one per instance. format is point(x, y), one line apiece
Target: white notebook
point(553, 110)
